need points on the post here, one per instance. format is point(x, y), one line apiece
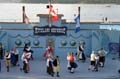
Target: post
point(49, 21)
point(23, 12)
point(119, 45)
point(79, 12)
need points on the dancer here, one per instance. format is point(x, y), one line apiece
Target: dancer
point(7, 60)
point(50, 66)
point(25, 58)
point(92, 60)
point(56, 66)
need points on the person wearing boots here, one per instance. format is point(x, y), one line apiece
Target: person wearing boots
point(56, 64)
point(7, 60)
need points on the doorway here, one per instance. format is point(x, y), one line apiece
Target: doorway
point(50, 42)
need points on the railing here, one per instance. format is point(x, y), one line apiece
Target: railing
point(65, 20)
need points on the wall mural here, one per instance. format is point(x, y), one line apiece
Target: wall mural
point(27, 41)
point(81, 35)
point(63, 42)
point(19, 35)
point(36, 42)
point(18, 42)
point(72, 42)
point(2, 34)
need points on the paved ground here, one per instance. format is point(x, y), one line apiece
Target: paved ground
point(38, 71)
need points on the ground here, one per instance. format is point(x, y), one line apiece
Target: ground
point(38, 70)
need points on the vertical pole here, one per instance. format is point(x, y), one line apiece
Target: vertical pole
point(119, 46)
point(79, 12)
point(49, 21)
point(23, 10)
point(100, 39)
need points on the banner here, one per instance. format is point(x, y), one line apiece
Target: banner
point(50, 31)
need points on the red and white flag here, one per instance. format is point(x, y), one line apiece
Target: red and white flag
point(54, 15)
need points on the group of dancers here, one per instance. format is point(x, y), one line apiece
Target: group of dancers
point(12, 58)
point(97, 59)
point(52, 62)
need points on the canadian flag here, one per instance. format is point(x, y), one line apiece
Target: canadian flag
point(53, 14)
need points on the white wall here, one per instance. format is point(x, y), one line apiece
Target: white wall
point(89, 12)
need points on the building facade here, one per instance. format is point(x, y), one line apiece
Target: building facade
point(93, 35)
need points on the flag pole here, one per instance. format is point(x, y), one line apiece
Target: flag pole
point(23, 9)
point(49, 21)
point(79, 12)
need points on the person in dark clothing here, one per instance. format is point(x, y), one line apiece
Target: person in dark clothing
point(0, 65)
point(50, 66)
point(25, 65)
point(102, 53)
point(14, 56)
point(1, 51)
point(28, 49)
point(96, 62)
point(56, 64)
point(82, 54)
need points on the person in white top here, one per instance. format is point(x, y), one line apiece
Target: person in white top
point(49, 65)
point(92, 60)
point(96, 62)
point(80, 53)
point(25, 58)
